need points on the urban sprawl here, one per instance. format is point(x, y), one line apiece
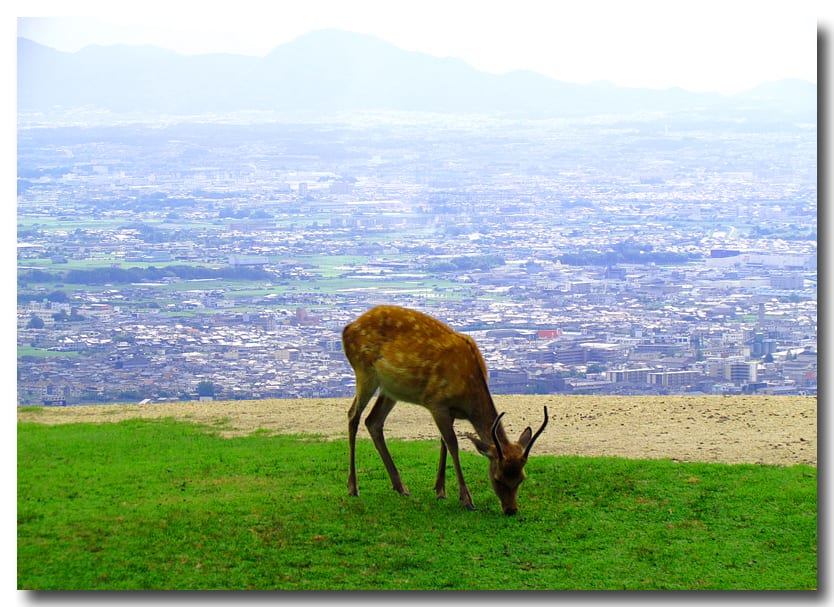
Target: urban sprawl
point(624, 255)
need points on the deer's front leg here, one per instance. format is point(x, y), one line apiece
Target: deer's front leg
point(444, 424)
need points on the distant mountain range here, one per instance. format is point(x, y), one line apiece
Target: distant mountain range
point(332, 71)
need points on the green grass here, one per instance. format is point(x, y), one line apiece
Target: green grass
point(169, 505)
point(42, 353)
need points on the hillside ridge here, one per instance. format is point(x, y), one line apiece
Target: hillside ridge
point(336, 71)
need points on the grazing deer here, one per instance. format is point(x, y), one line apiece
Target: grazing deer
point(413, 357)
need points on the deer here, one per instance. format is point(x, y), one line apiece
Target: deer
point(410, 356)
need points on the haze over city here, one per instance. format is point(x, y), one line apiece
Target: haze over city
point(204, 225)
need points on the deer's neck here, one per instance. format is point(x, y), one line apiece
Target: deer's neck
point(483, 423)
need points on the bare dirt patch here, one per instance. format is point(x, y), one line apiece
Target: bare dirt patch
point(780, 430)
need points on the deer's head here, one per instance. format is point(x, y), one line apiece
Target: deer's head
point(506, 462)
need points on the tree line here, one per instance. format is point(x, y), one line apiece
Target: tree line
point(467, 263)
point(116, 275)
point(628, 252)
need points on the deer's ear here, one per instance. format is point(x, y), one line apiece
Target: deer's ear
point(525, 437)
point(482, 447)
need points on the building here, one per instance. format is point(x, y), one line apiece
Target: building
point(740, 372)
point(674, 379)
point(640, 375)
point(788, 281)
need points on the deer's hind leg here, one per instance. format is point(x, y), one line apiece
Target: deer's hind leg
point(440, 483)
point(365, 388)
point(374, 422)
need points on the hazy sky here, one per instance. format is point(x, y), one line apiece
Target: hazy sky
point(705, 45)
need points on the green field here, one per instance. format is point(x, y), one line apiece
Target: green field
point(170, 505)
point(41, 353)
